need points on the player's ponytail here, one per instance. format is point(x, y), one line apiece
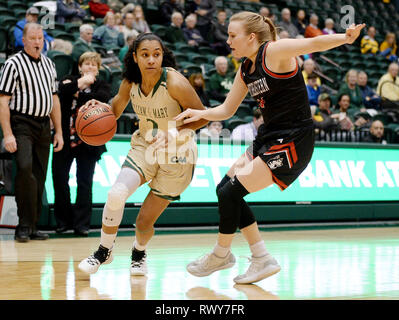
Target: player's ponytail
point(131, 71)
point(272, 28)
point(263, 27)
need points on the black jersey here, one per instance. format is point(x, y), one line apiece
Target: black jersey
point(282, 97)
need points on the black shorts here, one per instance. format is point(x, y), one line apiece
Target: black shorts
point(286, 152)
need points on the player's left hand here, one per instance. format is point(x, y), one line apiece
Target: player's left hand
point(58, 142)
point(190, 115)
point(353, 32)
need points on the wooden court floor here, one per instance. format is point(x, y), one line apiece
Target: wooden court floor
point(347, 263)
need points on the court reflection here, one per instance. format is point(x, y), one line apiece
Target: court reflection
point(202, 293)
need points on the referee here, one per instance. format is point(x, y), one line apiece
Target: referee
point(28, 99)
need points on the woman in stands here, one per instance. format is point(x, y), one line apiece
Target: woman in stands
point(284, 144)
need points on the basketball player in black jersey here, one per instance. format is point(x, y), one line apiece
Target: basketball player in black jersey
point(284, 144)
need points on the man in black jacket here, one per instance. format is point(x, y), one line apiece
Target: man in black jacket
point(167, 8)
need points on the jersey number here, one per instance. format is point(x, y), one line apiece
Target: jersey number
point(155, 127)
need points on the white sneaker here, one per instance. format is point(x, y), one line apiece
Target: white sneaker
point(210, 263)
point(139, 268)
point(91, 264)
point(259, 269)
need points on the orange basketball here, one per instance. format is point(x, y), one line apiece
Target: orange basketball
point(96, 125)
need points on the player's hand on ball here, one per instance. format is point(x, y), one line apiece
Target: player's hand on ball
point(190, 115)
point(94, 103)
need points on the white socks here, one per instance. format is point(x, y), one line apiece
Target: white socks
point(221, 252)
point(138, 246)
point(107, 240)
point(258, 249)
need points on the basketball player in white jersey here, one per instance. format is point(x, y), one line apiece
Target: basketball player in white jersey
point(161, 153)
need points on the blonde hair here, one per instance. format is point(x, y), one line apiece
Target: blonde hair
point(89, 55)
point(263, 27)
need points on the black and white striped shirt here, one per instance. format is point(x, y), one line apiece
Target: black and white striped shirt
point(31, 84)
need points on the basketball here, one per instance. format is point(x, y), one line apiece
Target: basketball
point(95, 125)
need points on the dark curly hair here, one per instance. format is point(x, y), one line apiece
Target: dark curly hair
point(131, 71)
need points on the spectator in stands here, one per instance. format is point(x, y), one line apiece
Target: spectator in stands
point(283, 34)
point(313, 90)
point(287, 24)
point(300, 21)
point(69, 11)
point(191, 33)
point(84, 43)
point(205, 11)
point(368, 44)
point(221, 81)
point(370, 99)
point(312, 30)
point(388, 87)
point(174, 32)
point(376, 133)
point(167, 8)
point(98, 9)
point(190, 6)
point(264, 12)
point(220, 35)
point(128, 26)
point(116, 5)
point(198, 83)
point(234, 63)
point(63, 46)
point(125, 49)
point(351, 88)
point(309, 67)
point(140, 23)
point(32, 15)
point(108, 34)
point(214, 129)
point(322, 118)
point(127, 8)
point(388, 47)
point(329, 26)
point(248, 131)
point(341, 118)
point(74, 92)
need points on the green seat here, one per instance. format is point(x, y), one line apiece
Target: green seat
point(17, 5)
point(8, 21)
point(233, 122)
point(198, 58)
point(190, 68)
point(206, 50)
point(72, 27)
point(63, 63)
point(243, 111)
point(3, 39)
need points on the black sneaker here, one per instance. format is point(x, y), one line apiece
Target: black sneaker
point(138, 266)
point(91, 264)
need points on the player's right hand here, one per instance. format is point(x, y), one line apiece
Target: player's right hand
point(10, 143)
point(92, 103)
point(190, 115)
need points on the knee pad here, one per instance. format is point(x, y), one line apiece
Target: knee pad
point(229, 200)
point(222, 182)
point(117, 196)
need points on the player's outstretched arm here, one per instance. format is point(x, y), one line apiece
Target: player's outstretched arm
point(225, 111)
point(120, 101)
point(288, 48)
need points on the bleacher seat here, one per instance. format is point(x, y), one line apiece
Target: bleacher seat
point(63, 63)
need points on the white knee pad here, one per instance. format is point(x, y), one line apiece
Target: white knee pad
point(113, 210)
point(117, 196)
